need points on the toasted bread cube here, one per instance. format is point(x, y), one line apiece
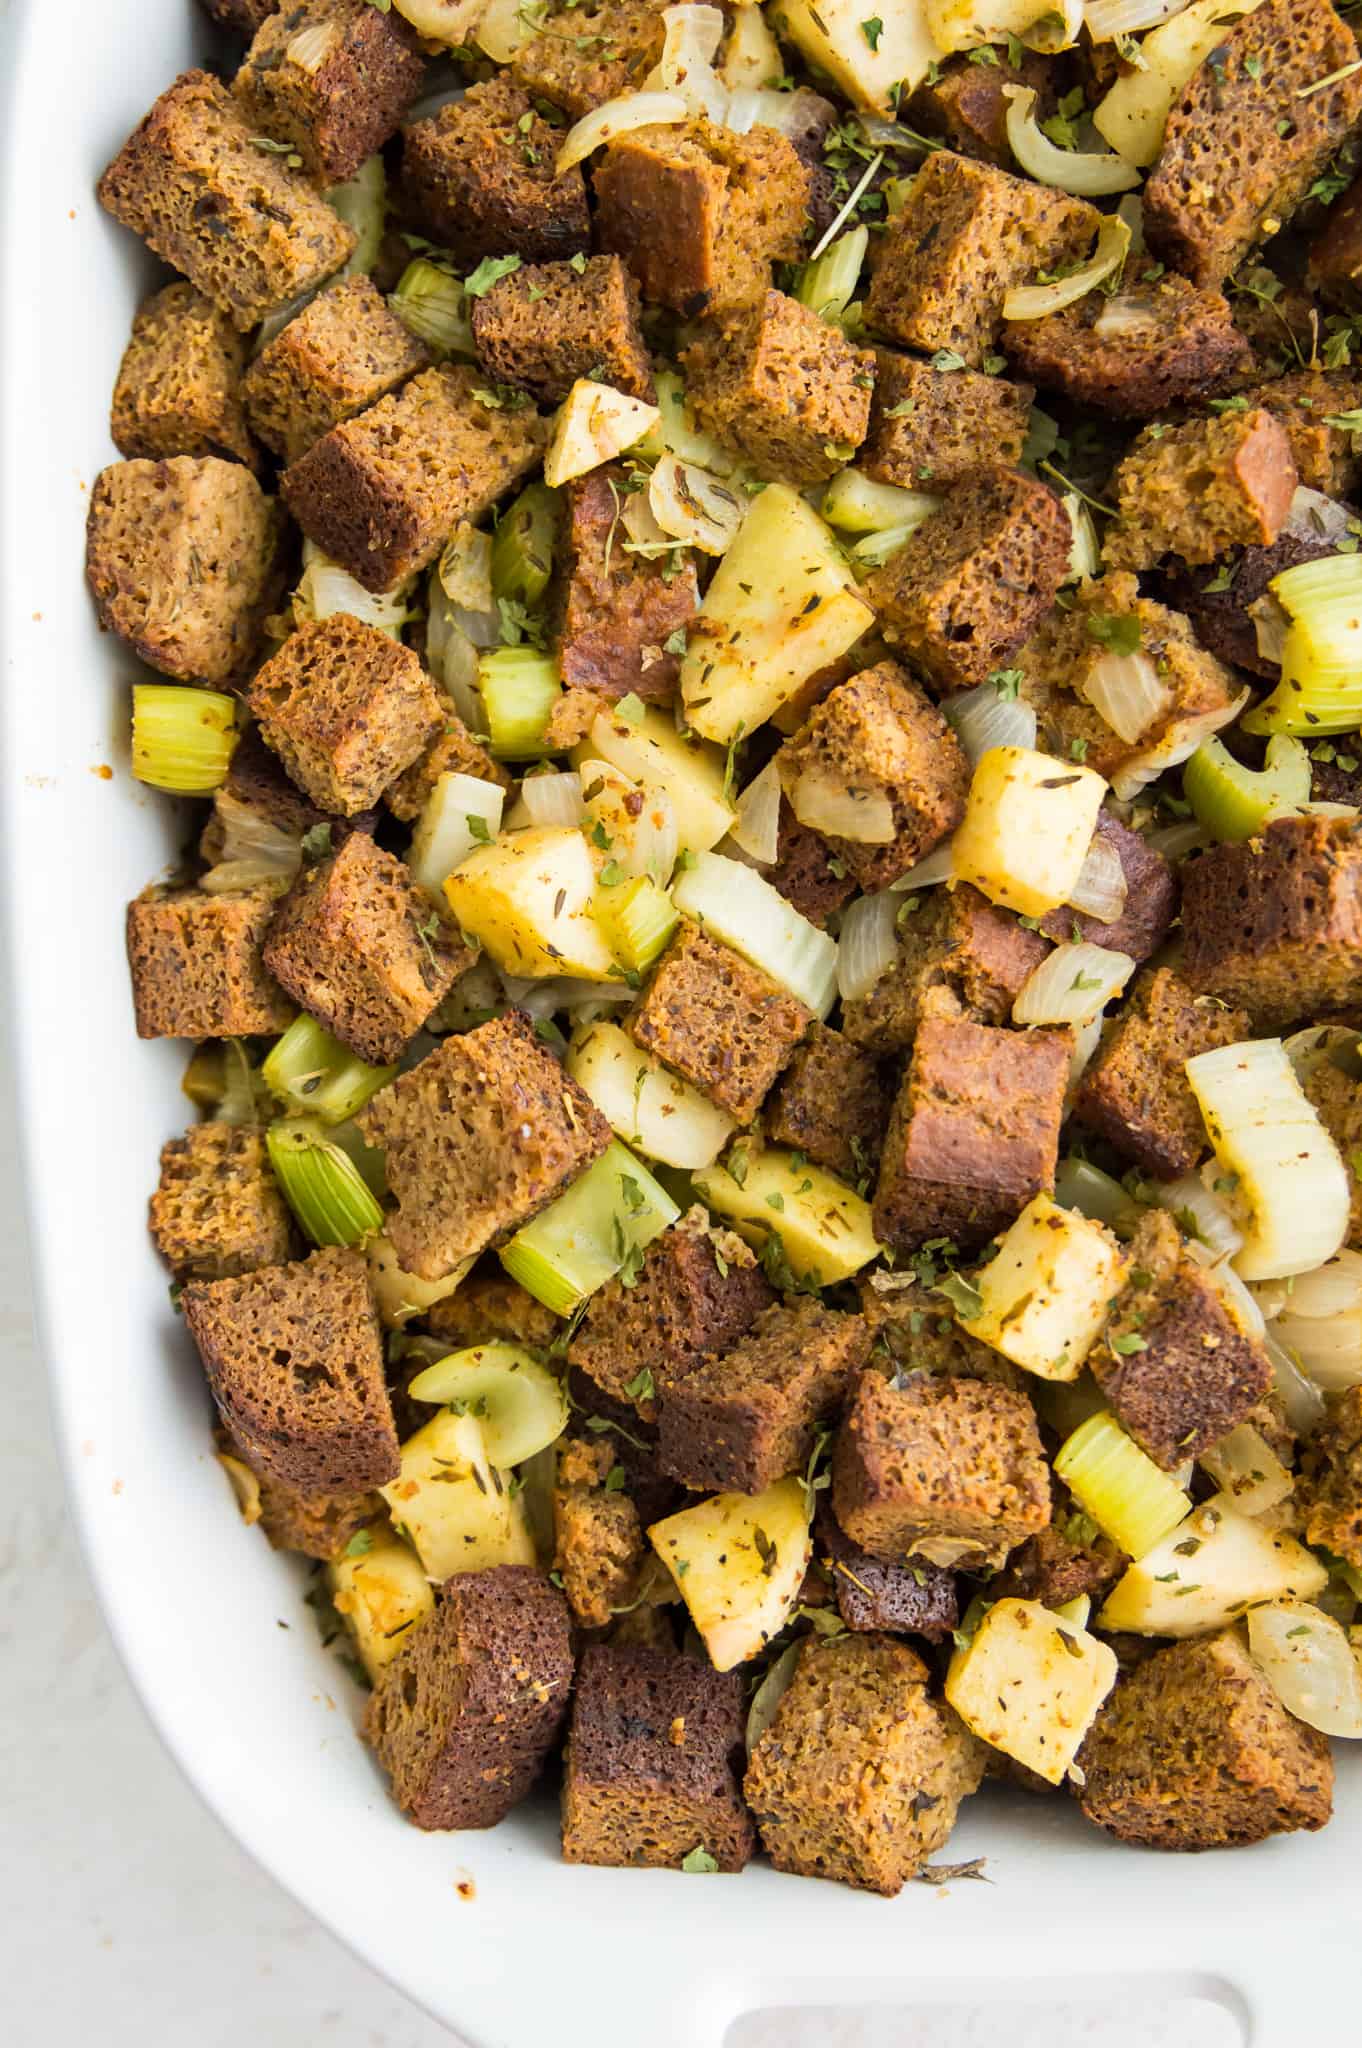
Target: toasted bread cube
point(917, 1599)
point(1336, 1100)
point(1330, 1489)
point(588, 53)
point(599, 1547)
point(1168, 344)
point(478, 177)
point(1031, 1685)
point(548, 324)
point(784, 388)
point(955, 942)
point(1028, 823)
point(179, 383)
point(488, 1306)
point(339, 355)
point(616, 611)
point(858, 1713)
point(382, 493)
point(911, 1327)
point(806, 872)
point(1326, 456)
point(1047, 1289)
point(1206, 1572)
point(1069, 1560)
point(183, 560)
point(1200, 489)
point(831, 1103)
point(950, 1470)
point(453, 751)
point(239, 17)
point(217, 1211)
point(723, 1024)
point(238, 221)
point(964, 104)
point(332, 78)
point(196, 965)
point(738, 1561)
point(382, 1590)
point(930, 427)
point(452, 1504)
point(316, 1525)
point(294, 1358)
point(358, 946)
point(1149, 909)
point(1195, 1751)
point(256, 781)
point(1136, 1092)
point(347, 709)
point(463, 1720)
point(651, 1767)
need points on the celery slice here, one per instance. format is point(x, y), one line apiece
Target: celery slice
point(518, 1401)
point(1124, 1491)
point(522, 552)
point(597, 1229)
point(740, 907)
point(519, 688)
point(362, 203)
point(1321, 685)
point(183, 738)
point(433, 306)
point(855, 503)
point(637, 919)
point(321, 1183)
point(312, 1072)
point(828, 286)
point(1234, 802)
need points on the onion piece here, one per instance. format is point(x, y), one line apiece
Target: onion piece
point(465, 569)
point(312, 45)
point(1127, 693)
point(1178, 744)
point(1126, 314)
point(936, 866)
point(693, 506)
point(324, 589)
point(1313, 517)
point(618, 117)
point(1320, 1323)
point(1101, 889)
point(756, 822)
point(640, 523)
point(252, 849)
point(692, 35)
point(1072, 985)
point(1246, 1468)
point(983, 719)
point(1087, 1038)
point(553, 799)
point(1318, 1043)
point(828, 804)
point(869, 944)
point(540, 999)
point(442, 21)
point(1090, 174)
point(504, 27)
point(637, 825)
point(1037, 301)
point(452, 657)
point(1108, 19)
point(1085, 555)
point(1302, 1401)
point(1308, 1661)
point(1200, 1213)
point(1175, 842)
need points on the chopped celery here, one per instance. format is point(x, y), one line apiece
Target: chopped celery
point(433, 305)
point(597, 1229)
point(321, 1183)
point(742, 908)
point(519, 688)
point(854, 503)
point(402, 1296)
point(1321, 685)
point(310, 1071)
point(182, 738)
point(811, 1228)
point(873, 550)
point(1124, 1491)
point(637, 919)
point(518, 1401)
point(362, 203)
point(221, 1081)
point(522, 552)
point(1083, 1186)
point(1234, 802)
point(828, 286)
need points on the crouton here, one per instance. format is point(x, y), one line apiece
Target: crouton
point(1194, 1750)
point(217, 1211)
point(479, 1138)
point(1135, 1092)
point(739, 1422)
point(256, 780)
point(1336, 1098)
point(955, 941)
point(651, 1767)
point(1200, 489)
point(237, 220)
point(781, 386)
point(1178, 1371)
point(548, 324)
point(464, 1717)
point(964, 236)
point(951, 1470)
point(722, 1024)
point(453, 751)
point(360, 948)
point(1274, 924)
point(480, 183)
point(382, 493)
point(1327, 457)
point(698, 1292)
point(1227, 177)
point(974, 1132)
point(599, 1545)
point(489, 1305)
point(1150, 905)
point(196, 965)
point(917, 1599)
point(969, 584)
point(1329, 1490)
point(912, 1329)
point(320, 1525)
point(1161, 342)
point(179, 383)
point(616, 611)
point(877, 736)
point(340, 354)
point(294, 1358)
point(857, 1713)
point(332, 78)
point(700, 214)
point(832, 1104)
point(632, 1443)
point(965, 104)
point(1219, 606)
point(806, 871)
point(1064, 1561)
point(586, 54)
point(930, 427)
point(183, 560)
point(346, 708)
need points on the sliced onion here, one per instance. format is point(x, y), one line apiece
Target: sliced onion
point(1175, 842)
point(1087, 1038)
point(541, 999)
point(452, 657)
point(1037, 301)
point(1200, 1212)
point(825, 803)
point(1308, 1661)
point(253, 849)
point(1302, 1401)
point(325, 589)
point(1127, 693)
point(1072, 985)
point(756, 821)
point(1090, 175)
point(1126, 314)
point(441, 21)
point(1321, 1043)
point(504, 27)
point(869, 944)
point(618, 117)
point(769, 1695)
point(1271, 624)
point(801, 116)
point(693, 506)
point(982, 719)
point(1178, 744)
point(1313, 517)
point(934, 867)
point(465, 570)
point(311, 47)
point(1320, 1323)
point(1244, 1466)
point(1108, 19)
point(554, 799)
point(1101, 888)
point(1085, 555)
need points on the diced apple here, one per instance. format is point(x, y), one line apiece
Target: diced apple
point(595, 423)
point(738, 1561)
point(381, 1590)
point(527, 901)
point(1028, 823)
point(821, 1225)
point(1213, 1567)
point(832, 35)
point(1047, 1289)
point(644, 1102)
point(648, 749)
point(1030, 1685)
point(452, 1503)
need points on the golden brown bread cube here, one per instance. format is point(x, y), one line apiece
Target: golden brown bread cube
point(599, 1545)
point(1200, 489)
point(332, 78)
point(217, 1210)
point(197, 966)
point(478, 177)
point(1330, 1487)
point(615, 611)
point(955, 941)
point(1135, 1092)
point(547, 324)
point(832, 1104)
point(784, 388)
point(453, 751)
point(930, 427)
point(179, 383)
point(1164, 342)
point(339, 355)
point(722, 1024)
point(586, 54)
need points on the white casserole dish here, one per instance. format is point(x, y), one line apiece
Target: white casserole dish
point(210, 1623)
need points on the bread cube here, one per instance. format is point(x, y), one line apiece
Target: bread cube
point(1337, 1101)
point(317, 1525)
point(964, 104)
point(478, 177)
point(912, 1329)
point(1200, 489)
point(784, 388)
point(954, 943)
point(340, 354)
point(1168, 344)
point(917, 1599)
point(196, 965)
point(179, 383)
point(1047, 1289)
point(1330, 1488)
point(806, 872)
point(725, 1026)
point(383, 1593)
point(1149, 909)
point(1326, 457)
point(547, 324)
point(1029, 820)
point(598, 1543)
point(1136, 1093)
point(831, 1103)
point(930, 427)
point(616, 611)
point(1031, 1685)
point(453, 751)
point(217, 1211)
point(332, 78)
point(591, 52)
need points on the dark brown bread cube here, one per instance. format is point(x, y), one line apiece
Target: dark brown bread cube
point(599, 1545)
point(700, 214)
point(1150, 906)
point(463, 1719)
point(1200, 489)
point(831, 1103)
point(616, 610)
point(294, 1358)
point(806, 871)
point(358, 945)
point(947, 1469)
point(1136, 1093)
point(183, 560)
point(332, 78)
point(1194, 1750)
point(964, 103)
point(382, 493)
point(217, 1211)
point(1221, 617)
point(930, 427)
point(1161, 342)
point(196, 965)
point(453, 751)
point(879, 737)
point(652, 1761)
point(861, 1773)
point(479, 1138)
point(1327, 458)
point(699, 1291)
point(917, 1599)
point(1336, 1097)
point(724, 1025)
point(240, 17)
point(587, 54)
point(1330, 1486)
point(237, 220)
point(955, 941)
point(320, 1525)
point(179, 384)
point(347, 708)
point(965, 235)
point(737, 1423)
point(548, 324)
point(481, 184)
point(490, 1305)
point(784, 388)
point(632, 1443)
point(967, 587)
point(1227, 177)
point(1177, 1369)
point(1274, 924)
point(912, 1331)
point(974, 1132)
point(1067, 1559)
point(342, 353)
